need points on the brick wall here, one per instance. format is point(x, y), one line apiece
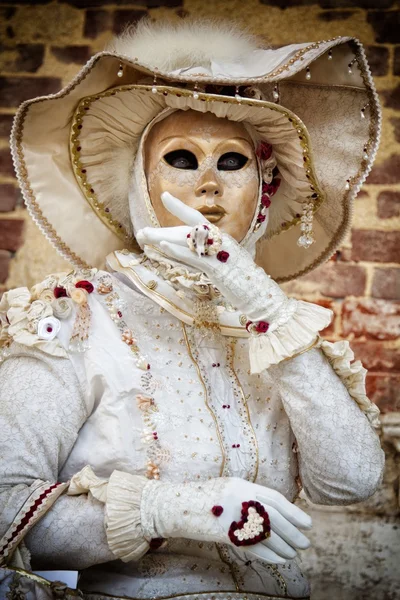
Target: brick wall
point(44, 43)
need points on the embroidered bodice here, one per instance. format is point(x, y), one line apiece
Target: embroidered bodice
point(158, 397)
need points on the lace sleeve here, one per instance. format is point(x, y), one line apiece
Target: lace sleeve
point(340, 457)
point(41, 411)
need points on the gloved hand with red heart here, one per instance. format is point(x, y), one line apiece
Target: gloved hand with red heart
point(226, 510)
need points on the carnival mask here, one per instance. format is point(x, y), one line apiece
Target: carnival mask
point(208, 163)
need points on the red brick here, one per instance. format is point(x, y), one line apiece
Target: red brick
point(374, 319)
point(386, 283)
point(396, 128)
point(32, 2)
point(386, 25)
point(335, 15)
point(328, 331)
point(97, 22)
point(375, 246)
point(356, 3)
point(14, 90)
point(331, 3)
point(388, 204)
point(384, 390)
point(387, 172)
point(396, 63)
point(7, 13)
point(148, 3)
point(11, 234)
point(167, 3)
point(27, 57)
point(122, 18)
point(72, 54)
point(341, 255)
point(9, 196)
point(5, 257)
point(391, 98)
point(182, 13)
point(5, 125)
point(375, 356)
point(378, 59)
point(333, 279)
point(98, 3)
point(6, 164)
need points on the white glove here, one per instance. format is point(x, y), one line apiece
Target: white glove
point(280, 326)
point(245, 285)
point(214, 510)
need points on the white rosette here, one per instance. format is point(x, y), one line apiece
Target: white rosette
point(48, 328)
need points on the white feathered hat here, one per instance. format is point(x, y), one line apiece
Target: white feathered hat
point(314, 103)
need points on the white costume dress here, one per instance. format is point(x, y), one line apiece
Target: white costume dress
point(292, 423)
point(111, 379)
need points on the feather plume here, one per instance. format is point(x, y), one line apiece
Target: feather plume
point(168, 46)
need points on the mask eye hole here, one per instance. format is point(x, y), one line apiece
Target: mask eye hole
point(232, 161)
point(181, 159)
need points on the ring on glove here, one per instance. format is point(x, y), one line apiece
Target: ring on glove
point(204, 239)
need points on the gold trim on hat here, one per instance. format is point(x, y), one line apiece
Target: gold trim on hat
point(357, 180)
point(374, 127)
point(316, 196)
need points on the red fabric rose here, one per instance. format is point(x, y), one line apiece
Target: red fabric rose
point(271, 188)
point(59, 292)
point(260, 218)
point(217, 510)
point(264, 151)
point(265, 200)
point(262, 327)
point(85, 285)
point(223, 256)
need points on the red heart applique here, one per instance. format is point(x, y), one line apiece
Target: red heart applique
point(253, 527)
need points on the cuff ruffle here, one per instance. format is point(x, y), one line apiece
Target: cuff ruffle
point(123, 525)
point(86, 482)
point(290, 338)
point(353, 375)
point(121, 495)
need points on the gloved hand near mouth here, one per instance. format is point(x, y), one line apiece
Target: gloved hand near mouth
point(246, 286)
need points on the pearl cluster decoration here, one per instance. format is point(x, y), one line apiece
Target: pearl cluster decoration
point(307, 237)
point(253, 527)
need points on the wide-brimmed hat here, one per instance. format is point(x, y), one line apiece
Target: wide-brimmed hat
point(314, 103)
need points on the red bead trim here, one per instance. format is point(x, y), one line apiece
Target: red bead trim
point(266, 532)
point(217, 510)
